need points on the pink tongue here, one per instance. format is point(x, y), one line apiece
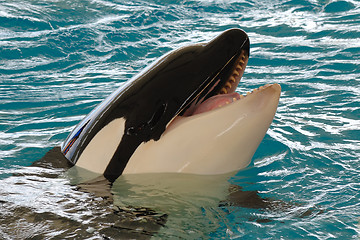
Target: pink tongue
point(216, 102)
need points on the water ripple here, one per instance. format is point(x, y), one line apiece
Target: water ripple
point(59, 59)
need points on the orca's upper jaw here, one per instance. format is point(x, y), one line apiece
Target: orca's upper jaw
point(232, 48)
point(231, 76)
point(236, 45)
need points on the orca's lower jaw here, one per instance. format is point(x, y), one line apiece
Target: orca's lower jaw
point(191, 144)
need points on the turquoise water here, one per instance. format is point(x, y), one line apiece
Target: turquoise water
point(59, 59)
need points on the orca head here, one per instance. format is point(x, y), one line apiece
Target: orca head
point(139, 111)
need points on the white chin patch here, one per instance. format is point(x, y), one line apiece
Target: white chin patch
point(102, 147)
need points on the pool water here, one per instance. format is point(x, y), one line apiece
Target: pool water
point(59, 59)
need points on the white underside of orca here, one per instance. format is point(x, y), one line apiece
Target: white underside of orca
point(216, 142)
point(102, 147)
point(220, 141)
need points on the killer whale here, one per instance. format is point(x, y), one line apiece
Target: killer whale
point(154, 121)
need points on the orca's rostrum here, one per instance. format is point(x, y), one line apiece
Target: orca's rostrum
point(172, 117)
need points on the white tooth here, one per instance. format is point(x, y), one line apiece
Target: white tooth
point(228, 85)
point(236, 73)
point(232, 79)
point(242, 61)
point(223, 90)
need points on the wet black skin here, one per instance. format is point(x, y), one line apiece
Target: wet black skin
point(165, 89)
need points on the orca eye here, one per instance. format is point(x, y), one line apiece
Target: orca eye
point(131, 131)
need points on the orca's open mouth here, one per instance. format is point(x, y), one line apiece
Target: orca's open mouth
point(226, 94)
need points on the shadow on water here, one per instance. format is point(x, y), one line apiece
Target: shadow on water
point(48, 200)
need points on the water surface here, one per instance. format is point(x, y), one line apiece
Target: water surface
point(59, 59)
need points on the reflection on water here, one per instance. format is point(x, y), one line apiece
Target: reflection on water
point(182, 205)
point(190, 201)
point(49, 202)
